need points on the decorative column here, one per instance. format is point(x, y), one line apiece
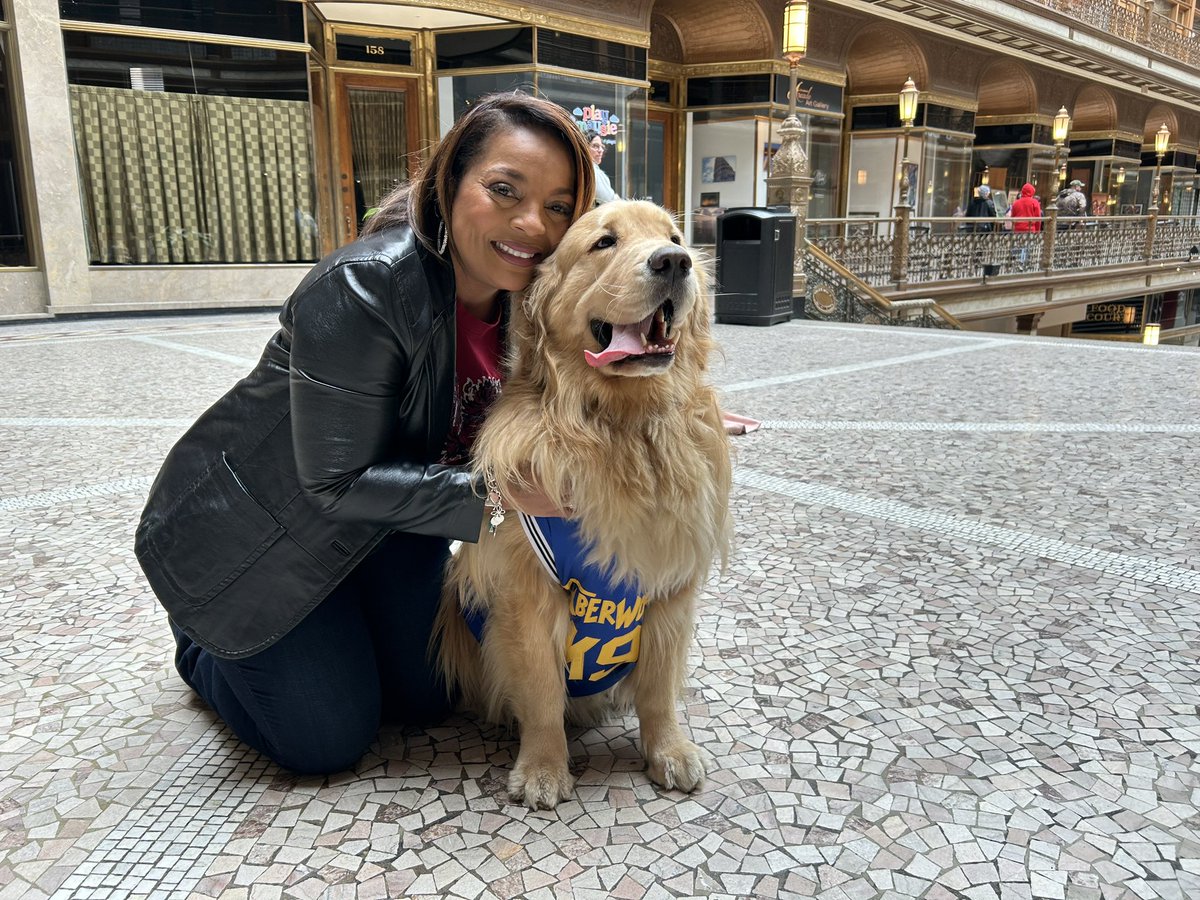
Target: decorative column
point(789, 181)
point(1048, 234)
point(788, 185)
point(57, 237)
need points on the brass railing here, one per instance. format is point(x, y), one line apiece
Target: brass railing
point(946, 249)
point(1134, 21)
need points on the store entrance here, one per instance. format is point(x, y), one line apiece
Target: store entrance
point(377, 136)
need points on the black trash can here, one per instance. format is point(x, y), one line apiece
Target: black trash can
point(756, 249)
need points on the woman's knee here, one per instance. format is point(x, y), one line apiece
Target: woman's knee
point(334, 743)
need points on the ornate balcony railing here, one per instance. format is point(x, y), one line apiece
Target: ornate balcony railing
point(946, 249)
point(1099, 241)
point(1134, 21)
point(835, 293)
point(1176, 237)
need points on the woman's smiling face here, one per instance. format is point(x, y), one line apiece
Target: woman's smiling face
point(510, 211)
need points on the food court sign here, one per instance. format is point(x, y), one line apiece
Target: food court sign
point(594, 119)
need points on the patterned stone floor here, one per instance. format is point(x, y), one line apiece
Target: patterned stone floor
point(956, 653)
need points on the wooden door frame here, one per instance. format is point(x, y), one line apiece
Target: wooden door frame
point(671, 170)
point(345, 212)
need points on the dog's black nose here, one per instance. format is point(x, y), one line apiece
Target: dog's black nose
point(670, 260)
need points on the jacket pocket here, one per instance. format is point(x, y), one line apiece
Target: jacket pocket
point(209, 536)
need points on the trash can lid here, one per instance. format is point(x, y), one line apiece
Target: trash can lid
point(757, 212)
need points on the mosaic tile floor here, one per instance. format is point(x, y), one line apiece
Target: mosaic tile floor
point(956, 653)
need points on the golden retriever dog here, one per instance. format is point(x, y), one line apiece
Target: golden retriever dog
point(606, 407)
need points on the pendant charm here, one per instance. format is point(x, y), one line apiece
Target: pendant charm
point(494, 521)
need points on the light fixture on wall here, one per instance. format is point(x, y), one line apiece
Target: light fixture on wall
point(909, 95)
point(860, 177)
point(1162, 138)
point(1120, 176)
point(985, 179)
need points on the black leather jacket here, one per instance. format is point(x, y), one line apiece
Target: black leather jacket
point(290, 479)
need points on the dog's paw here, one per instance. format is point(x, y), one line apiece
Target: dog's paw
point(539, 786)
point(679, 767)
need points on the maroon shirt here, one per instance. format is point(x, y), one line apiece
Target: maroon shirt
point(477, 382)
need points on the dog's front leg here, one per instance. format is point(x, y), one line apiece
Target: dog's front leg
point(673, 761)
point(530, 666)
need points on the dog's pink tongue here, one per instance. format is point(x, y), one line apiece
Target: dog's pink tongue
point(626, 341)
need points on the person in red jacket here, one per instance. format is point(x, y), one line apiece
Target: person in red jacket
point(1026, 207)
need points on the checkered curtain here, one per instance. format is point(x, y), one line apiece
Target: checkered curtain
point(183, 178)
point(378, 141)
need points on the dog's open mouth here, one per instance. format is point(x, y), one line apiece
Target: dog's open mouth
point(650, 337)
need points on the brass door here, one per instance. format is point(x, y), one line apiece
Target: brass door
point(378, 132)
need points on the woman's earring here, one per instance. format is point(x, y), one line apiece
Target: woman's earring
point(443, 237)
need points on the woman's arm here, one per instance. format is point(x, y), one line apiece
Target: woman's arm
point(354, 331)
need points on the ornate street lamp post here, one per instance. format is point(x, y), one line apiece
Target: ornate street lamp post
point(1061, 129)
point(789, 181)
point(909, 95)
point(1162, 138)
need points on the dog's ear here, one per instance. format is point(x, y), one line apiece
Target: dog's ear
point(700, 343)
point(527, 319)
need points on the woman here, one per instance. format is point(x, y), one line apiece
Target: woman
point(296, 534)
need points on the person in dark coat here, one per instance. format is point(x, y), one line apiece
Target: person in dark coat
point(296, 534)
point(982, 207)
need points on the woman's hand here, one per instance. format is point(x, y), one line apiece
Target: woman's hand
point(532, 501)
point(527, 497)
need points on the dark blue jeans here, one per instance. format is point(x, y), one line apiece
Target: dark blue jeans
point(313, 701)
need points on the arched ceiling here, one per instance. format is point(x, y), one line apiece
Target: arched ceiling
point(1005, 89)
point(1095, 110)
point(718, 30)
point(665, 43)
point(881, 58)
point(1160, 115)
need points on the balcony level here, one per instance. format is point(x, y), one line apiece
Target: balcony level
point(1105, 276)
point(1151, 48)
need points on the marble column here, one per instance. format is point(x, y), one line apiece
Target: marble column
point(56, 217)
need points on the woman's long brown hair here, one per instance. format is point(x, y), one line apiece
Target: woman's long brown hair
point(424, 202)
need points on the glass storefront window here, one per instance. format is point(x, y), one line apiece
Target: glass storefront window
point(456, 93)
point(873, 188)
point(945, 175)
point(1007, 168)
point(939, 173)
point(617, 112)
point(824, 164)
point(190, 152)
point(267, 19)
point(727, 150)
point(14, 247)
point(484, 48)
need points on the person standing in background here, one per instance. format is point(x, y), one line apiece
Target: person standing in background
point(982, 207)
point(1024, 209)
point(604, 188)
